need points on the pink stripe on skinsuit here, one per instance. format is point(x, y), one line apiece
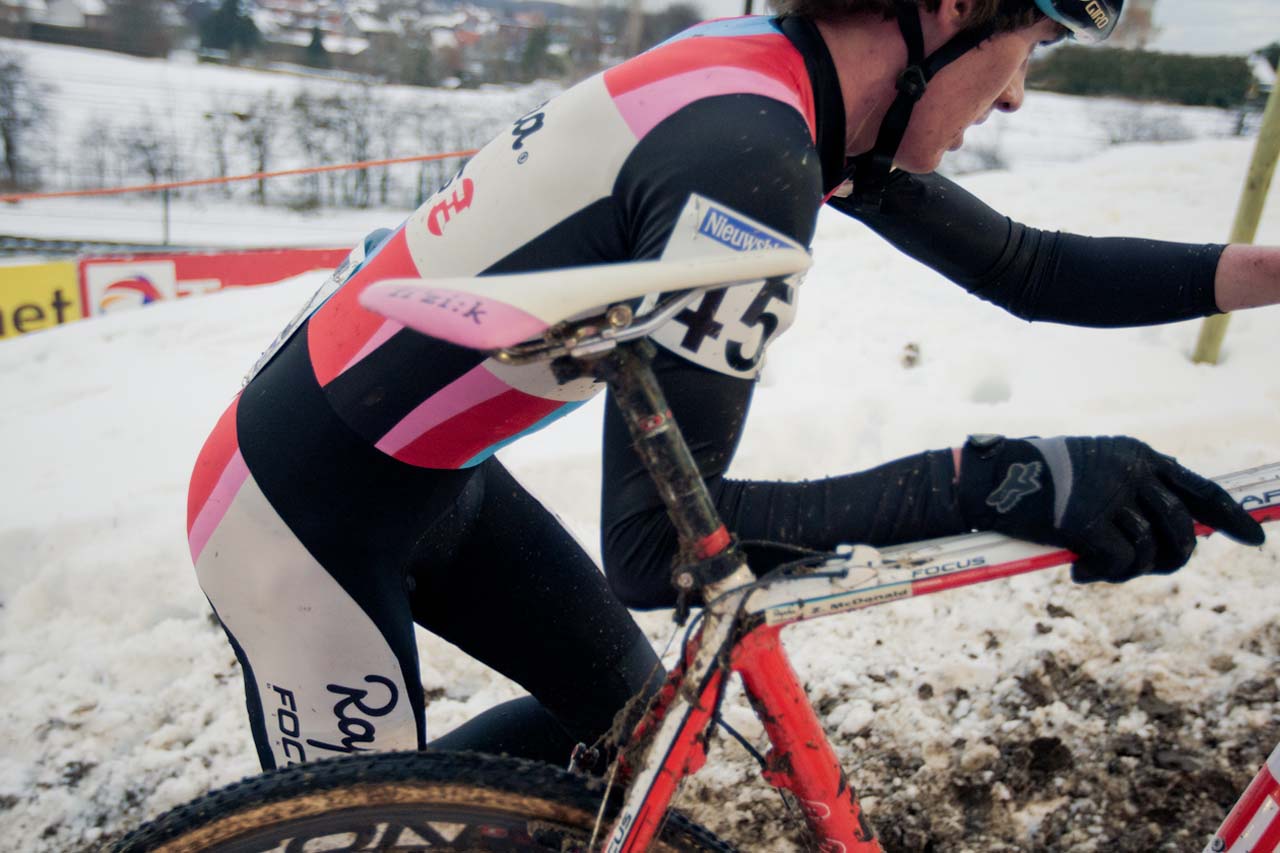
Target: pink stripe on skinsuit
point(643, 108)
point(470, 389)
point(215, 508)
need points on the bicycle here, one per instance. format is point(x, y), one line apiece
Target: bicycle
point(461, 801)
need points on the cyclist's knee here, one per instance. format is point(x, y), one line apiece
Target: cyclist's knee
point(637, 555)
point(634, 593)
point(218, 473)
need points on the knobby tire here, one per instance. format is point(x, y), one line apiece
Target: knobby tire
point(443, 802)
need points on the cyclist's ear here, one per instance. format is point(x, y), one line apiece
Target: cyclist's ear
point(952, 16)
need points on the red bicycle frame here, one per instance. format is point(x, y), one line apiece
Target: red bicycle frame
point(743, 617)
point(1253, 826)
point(801, 760)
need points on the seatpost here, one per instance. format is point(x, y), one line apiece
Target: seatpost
point(665, 454)
point(670, 741)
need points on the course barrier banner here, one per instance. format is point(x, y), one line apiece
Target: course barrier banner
point(130, 281)
point(38, 296)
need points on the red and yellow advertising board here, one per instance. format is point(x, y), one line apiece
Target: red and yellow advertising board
point(130, 281)
point(38, 296)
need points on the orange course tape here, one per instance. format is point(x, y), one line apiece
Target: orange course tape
point(256, 176)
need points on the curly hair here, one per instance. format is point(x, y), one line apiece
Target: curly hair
point(1005, 15)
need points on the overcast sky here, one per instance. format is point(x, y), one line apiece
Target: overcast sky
point(1187, 26)
point(1220, 26)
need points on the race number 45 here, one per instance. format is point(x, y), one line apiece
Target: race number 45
point(720, 333)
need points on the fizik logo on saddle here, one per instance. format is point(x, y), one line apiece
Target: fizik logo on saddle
point(463, 304)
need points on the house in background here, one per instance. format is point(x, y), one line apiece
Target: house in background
point(412, 41)
point(1263, 73)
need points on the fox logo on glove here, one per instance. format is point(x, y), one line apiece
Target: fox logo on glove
point(1020, 481)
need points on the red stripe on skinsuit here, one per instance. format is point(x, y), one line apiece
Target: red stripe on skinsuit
point(770, 55)
point(218, 449)
point(460, 439)
point(216, 506)
point(341, 328)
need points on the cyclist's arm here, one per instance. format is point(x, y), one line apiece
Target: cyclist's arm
point(749, 152)
point(756, 156)
point(911, 498)
point(1043, 275)
point(1248, 277)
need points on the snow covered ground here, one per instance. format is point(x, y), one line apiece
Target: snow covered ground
point(1027, 714)
point(123, 698)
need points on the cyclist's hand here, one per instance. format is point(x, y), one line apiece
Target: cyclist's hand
point(1125, 509)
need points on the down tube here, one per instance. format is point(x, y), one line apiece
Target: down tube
point(801, 759)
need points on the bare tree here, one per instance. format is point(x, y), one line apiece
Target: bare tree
point(97, 153)
point(148, 152)
point(386, 128)
point(219, 123)
point(360, 110)
point(24, 116)
point(257, 132)
point(430, 136)
point(309, 122)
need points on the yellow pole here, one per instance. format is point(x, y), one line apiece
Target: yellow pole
point(1248, 213)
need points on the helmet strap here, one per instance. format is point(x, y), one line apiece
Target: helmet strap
point(870, 170)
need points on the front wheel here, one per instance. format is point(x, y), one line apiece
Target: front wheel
point(443, 802)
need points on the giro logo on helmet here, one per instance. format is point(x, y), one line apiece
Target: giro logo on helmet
point(1088, 20)
point(1099, 15)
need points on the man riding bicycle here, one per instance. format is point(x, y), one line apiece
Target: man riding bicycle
point(351, 491)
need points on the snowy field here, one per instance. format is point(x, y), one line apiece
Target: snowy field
point(104, 105)
point(96, 100)
point(115, 118)
point(1047, 705)
point(1022, 715)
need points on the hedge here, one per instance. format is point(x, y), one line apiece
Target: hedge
point(1216, 81)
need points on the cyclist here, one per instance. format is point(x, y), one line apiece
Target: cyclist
point(350, 490)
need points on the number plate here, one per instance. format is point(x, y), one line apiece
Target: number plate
point(727, 330)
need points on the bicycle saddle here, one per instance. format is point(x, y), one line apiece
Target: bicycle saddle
point(496, 311)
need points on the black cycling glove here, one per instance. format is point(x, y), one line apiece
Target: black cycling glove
point(1125, 509)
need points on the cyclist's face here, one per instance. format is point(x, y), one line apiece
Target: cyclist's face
point(988, 78)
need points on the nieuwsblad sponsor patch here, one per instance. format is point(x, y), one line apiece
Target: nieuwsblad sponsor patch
point(727, 330)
